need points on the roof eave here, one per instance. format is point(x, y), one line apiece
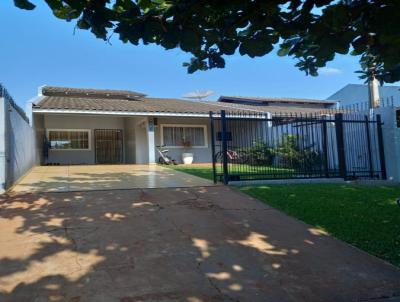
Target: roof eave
point(277, 100)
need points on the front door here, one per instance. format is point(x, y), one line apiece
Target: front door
point(108, 146)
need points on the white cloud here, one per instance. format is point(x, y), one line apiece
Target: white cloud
point(330, 71)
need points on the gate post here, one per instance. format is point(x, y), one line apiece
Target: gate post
point(380, 144)
point(224, 148)
point(213, 147)
point(340, 144)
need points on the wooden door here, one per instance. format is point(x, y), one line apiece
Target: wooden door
point(108, 146)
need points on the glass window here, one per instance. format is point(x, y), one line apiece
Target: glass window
point(184, 136)
point(69, 139)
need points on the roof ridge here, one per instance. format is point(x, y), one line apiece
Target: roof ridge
point(274, 99)
point(88, 92)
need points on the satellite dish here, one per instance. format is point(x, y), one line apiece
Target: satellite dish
point(198, 95)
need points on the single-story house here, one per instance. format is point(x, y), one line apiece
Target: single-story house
point(93, 126)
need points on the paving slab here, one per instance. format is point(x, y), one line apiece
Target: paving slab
point(103, 177)
point(194, 244)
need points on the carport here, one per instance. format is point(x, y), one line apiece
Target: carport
point(103, 177)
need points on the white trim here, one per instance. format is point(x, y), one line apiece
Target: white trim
point(184, 126)
point(35, 100)
point(89, 131)
point(120, 113)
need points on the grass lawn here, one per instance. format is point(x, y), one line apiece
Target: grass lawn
point(367, 217)
point(364, 216)
point(205, 171)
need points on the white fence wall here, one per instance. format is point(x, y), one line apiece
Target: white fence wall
point(17, 144)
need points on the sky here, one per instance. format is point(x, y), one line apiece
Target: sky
point(38, 49)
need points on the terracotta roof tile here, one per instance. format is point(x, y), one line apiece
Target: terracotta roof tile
point(92, 93)
point(159, 105)
point(99, 100)
point(273, 100)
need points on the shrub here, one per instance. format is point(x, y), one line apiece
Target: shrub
point(258, 154)
point(291, 155)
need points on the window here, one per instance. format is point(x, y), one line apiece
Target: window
point(184, 136)
point(69, 139)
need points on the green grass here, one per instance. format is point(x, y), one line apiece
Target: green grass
point(364, 216)
point(205, 171)
point(200, 171)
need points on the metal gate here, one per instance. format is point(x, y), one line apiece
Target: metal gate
point(257, 146)
point(108, 146)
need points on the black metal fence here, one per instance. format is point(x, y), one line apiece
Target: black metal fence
point(257, 146)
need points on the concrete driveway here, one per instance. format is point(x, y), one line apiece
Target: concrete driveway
point(103, 177)
point(197, 244)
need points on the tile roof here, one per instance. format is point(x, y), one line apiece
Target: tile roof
point(92, 93)
point(95, 100)
point(274, 100)
point(158, 105)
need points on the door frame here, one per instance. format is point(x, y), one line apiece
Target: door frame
point(122, 146)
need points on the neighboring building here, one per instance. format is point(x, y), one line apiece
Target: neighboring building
point(356, 96)
point(91, 126)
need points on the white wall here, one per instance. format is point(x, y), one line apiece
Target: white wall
point(391, 142)
point(129, 140)
point(59, 121)
point(17, 145)
point(3, 158)
point(201, 155)
point(141, 146)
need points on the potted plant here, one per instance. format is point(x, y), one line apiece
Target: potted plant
point(187, 157)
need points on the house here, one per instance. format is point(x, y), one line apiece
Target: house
point(356, 96)
point(94, 126)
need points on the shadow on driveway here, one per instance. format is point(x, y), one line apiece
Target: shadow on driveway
point(176, 244)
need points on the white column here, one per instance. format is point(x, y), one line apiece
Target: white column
point(151, 140)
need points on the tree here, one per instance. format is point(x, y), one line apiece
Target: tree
point(312, 31)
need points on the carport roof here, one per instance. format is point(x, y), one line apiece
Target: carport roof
point(58, 99)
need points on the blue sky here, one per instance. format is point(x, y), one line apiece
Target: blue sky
point(37, 49)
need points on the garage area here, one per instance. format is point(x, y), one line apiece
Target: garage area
point(103, 177)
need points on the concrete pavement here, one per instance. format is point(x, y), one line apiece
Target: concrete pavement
point(104, 177)
point(193, 244)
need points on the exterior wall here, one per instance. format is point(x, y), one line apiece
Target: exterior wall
point(129, 143)
point(201, 155)
point(356, 96)
point(3, 147)
point(58, 121)
point(17, 145)
point(141, 146)
point(136, 146)
point(40, 133)
point(391, 142)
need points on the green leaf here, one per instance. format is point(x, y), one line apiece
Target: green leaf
point(228, 47)
point(83, 24)
point(283, 52)
point(24, 4)
point(190, 40)
point(256, 47)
